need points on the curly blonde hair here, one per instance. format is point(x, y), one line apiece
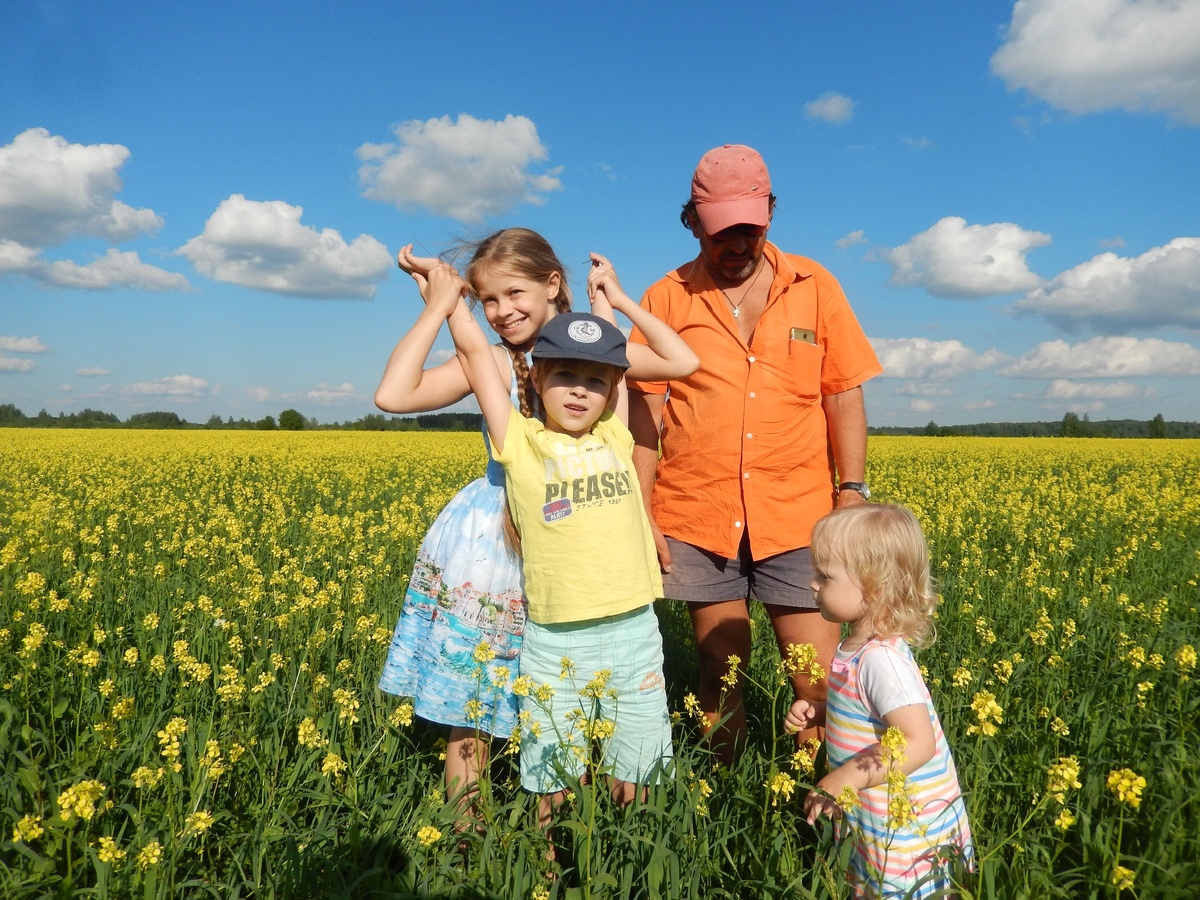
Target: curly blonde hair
point(884, 550)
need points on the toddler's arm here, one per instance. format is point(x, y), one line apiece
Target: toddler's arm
point(867, 768)
point(406, 386)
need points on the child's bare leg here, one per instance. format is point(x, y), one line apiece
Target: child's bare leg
point(547, 804)
point(623, 792)
point(467, 754)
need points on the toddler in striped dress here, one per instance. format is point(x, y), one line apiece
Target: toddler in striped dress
point(891, 781)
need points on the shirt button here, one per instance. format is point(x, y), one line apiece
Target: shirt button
point(752, 359)
point(745, 474)
point(748, 436)
point(737, 524)
point(752, 395)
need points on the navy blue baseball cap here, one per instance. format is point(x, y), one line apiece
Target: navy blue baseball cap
point(581, 336)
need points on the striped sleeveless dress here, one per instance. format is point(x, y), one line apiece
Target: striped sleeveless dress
point(895, 860)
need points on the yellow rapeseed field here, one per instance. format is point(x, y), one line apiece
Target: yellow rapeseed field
point(192, 624)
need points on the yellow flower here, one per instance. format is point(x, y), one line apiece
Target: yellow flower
point(109, 851)
point(522, 685)
point(484, 653)
point(1185, 660)
point(596, 688)
point(848, 799)
point(1062, 776)
point(80, 800)
point(568, 668)
point(197, 823)
point(1065, 819)
point(781, 785)
point(962, 677)
point(731, 677)
point(150, 855)
point(474, 710)
point(333, 764)
point(1122, 878)
point(402, 716)
point(1127, 786)
point(988, 712)
point(427, 835)
point(151, 621)
point(144, 776)
point(29, 828)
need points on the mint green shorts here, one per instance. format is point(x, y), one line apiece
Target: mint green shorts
point(624, 724)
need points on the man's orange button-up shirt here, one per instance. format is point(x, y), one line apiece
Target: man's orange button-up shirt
point(744, 440)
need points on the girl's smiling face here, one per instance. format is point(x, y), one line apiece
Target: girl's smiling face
point(515, 306)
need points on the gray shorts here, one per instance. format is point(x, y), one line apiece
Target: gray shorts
point(699, 576)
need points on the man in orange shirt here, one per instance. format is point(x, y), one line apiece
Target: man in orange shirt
point(764, 439)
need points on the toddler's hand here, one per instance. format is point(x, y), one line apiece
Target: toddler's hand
point(799, 716)
point(817, 804)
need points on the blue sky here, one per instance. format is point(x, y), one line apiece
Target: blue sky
point(200, 204)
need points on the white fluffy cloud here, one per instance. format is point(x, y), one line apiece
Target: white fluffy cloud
point(92, 372)
point(466, 169)
point(1089, 55)
point(22, 345)
point(1107, 357)
point(178, 386)
point(10, 364)
point(1065, 389)
point(263, 245)
point(52, 191)
point(937, 360)
point(1114, 293)
point(830, 107)
point(326, 394)
point(257, 394)
point(115, 269)
point(954, 259)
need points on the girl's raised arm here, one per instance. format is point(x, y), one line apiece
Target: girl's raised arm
point(407, 386)
point(474, 353)
point(665, 355)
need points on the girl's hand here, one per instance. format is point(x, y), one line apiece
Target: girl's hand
point(444, 289)
point(602, 283)
point(418, 267)
point(799, 716)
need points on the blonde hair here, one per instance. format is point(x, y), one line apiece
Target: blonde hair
point(523, 252)
point(885, 552)
point(526, 253)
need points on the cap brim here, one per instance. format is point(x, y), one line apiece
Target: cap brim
point(716, 217)
point(576, 354)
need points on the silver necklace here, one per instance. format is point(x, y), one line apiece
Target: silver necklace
point(736, 306)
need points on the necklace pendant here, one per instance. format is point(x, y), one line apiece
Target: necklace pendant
point(735, 312)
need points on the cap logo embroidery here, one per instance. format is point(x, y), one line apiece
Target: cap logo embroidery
point(584, 332)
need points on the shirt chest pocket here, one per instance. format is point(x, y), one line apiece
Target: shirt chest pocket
point(802, 372)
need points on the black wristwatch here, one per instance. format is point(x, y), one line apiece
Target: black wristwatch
point(859, 487)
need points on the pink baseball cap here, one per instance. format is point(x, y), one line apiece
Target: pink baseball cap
point(731, 187)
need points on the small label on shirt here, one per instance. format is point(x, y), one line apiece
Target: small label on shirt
point(804, 334)
point(557, 509)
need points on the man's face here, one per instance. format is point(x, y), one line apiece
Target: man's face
point(732, 255)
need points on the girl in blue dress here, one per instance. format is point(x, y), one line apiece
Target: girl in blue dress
point(459, 633)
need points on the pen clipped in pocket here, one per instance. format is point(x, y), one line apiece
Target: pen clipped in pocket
point(804, 334)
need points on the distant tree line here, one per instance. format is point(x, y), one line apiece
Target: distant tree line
point(289, 420)
point(293, 420)
point(1070, 426)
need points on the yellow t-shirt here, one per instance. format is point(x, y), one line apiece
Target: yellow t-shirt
point(586, 542)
